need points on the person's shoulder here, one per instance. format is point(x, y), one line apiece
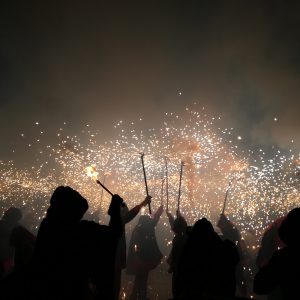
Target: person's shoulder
point(92, 225)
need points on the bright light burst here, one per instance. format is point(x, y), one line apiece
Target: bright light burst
point(261, 188)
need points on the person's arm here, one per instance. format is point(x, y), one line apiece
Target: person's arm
point(135, 210)
point(157, 215)
point(171, 218)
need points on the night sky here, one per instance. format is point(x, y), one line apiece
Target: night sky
point(99, 62)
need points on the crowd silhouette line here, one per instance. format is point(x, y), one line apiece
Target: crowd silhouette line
point(73, 258)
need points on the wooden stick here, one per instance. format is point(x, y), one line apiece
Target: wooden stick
point(162, 191)
point(104, 187)
point(180, 180)
point(167, 183)
point(226, 196)
point(145, 178)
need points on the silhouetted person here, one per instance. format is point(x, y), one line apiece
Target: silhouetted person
point(23, 242)
point(282, 271)
point(231, 233)
point(8, 222)
point(143, 254)
point(70, 254)
point(207, 264)
point(127, 216)
point(179, 227)
point(270, 243)
point(14, 284)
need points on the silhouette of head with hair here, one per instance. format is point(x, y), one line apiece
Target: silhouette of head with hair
point(289, 231)
point(67, 204)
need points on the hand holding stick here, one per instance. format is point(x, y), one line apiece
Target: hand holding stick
point(145, 178)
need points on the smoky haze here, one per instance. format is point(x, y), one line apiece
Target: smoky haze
point(95, 62)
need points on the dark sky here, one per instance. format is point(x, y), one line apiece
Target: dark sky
point(102, 61)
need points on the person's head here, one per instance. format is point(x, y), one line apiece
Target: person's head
point(67, 204)
point(13, 215)
point(289, 230)
point(203, 230)
point(124, 210)
point(223, 222)
point(144, 220)
point(179, 225)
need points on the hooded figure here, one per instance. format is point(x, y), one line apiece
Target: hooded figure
point(179, 227)
point(70, 254)
point(207, 264)
point(143, 254)
point(282, 271)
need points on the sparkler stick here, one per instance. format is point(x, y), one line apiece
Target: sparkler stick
point(102, 189)
point(162, 191)
point(167, 183)
point(226, 196)
point(145, 178)
point(180, 180)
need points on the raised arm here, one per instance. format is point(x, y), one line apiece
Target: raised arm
point(157, 215)
point(135, 210)
point(171, 218)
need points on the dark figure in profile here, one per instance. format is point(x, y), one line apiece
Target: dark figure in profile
point(207, 265)
point(179, 227)
point(126, 216)
point(231, 233)
point(143, 254)
point(282, 271)
point(71, 255)
point(9, 221)
point(270, 243)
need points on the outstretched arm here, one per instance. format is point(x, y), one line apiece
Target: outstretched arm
point(157, 215)
point(171, 218)
point(135, 210)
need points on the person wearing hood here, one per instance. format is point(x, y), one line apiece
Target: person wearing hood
point(143, 254)
point(72, 254)
point(126, 216)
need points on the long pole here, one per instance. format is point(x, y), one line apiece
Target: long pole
point(162, 191)
point(145, 178)
point(180, 180)
point(226, 196)
point(101, 197)
point(167, 183)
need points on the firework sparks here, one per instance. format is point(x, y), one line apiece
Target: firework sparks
point(264, 188)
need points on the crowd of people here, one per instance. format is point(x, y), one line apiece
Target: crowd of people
point(74, 258)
